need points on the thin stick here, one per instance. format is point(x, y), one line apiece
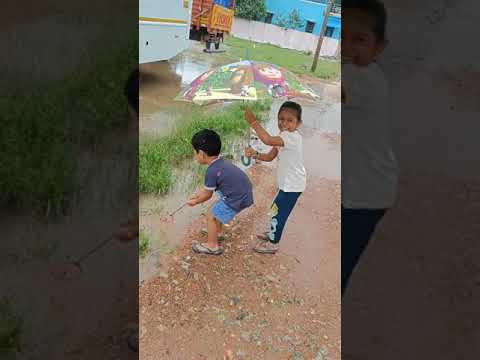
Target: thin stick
point(95, 249)
point(180, 208)
point(65, 270)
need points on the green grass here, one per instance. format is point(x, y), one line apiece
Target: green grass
point(198, 174)
point(158, 156)
point(143, 244)
point(296, 61)
point(45, 127)
point(10, 329)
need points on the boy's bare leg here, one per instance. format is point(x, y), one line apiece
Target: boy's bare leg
point(219, 224)
point(212, 227)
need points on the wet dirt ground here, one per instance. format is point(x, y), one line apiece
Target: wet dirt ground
point(251, 306)
point(53, 327)
point(423, 303)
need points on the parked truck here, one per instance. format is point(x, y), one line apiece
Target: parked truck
point(210, 20)
point(164, 28)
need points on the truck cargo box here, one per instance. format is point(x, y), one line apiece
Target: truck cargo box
point(211, 19)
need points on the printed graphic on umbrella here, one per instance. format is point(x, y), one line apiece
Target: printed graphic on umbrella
point(245, 80)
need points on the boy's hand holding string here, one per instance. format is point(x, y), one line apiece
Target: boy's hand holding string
point(199, 197)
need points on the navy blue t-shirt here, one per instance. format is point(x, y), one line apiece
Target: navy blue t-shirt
point(231, 182)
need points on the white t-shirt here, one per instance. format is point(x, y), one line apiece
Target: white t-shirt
point(369, 167)
point(291, 174)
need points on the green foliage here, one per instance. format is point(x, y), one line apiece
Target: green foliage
point(158, 156)
point(143, 244)
point(46, 127)
point(291, 21)
point(251, 9)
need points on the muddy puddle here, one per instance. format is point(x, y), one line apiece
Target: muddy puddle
point(165, 233)
point(161, 82)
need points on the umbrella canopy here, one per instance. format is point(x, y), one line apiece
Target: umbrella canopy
point(245, 80)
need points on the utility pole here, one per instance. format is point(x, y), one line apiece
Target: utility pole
point(328, 10)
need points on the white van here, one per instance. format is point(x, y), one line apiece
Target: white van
point(164, 28)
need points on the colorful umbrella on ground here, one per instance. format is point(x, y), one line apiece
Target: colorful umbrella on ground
point(245, 80)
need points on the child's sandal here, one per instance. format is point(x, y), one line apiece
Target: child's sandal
point(204, 249)
point(266, 247)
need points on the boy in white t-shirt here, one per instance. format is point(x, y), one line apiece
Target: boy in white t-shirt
point(369, 167)
point(291, 174)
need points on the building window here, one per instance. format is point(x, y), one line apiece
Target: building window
point(269, 18)
point(329, 31)
point(309, 27)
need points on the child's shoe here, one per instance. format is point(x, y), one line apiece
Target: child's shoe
point(266, 247)
point(200, 248)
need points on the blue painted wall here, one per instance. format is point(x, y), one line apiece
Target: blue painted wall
point(309, 11)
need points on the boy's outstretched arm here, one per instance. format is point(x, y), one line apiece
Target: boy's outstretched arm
point(270, 156)
point(261, 132)
point(200, 197)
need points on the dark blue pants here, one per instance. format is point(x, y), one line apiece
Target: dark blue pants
point(281, 208)
point(358, 226)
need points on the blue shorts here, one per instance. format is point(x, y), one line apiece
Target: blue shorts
point(222, 212)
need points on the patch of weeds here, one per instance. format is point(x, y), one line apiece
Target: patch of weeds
point(155, 171)
point(143, 244)
point(158, 156)
point(221, 317)
point(199, 172)
point(10, 329)
point(45, 127)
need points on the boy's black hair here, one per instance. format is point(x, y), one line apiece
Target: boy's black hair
point(374, 8)
point(293, 106)
point(131, 90)
point(208, 141)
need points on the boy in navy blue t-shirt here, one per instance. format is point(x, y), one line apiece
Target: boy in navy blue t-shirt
point(232, 186)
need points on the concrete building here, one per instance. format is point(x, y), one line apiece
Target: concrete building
point(310, 11)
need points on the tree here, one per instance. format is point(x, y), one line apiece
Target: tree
point(291, 21)
point(295, 20)
point(251, 9)
point(282, 21)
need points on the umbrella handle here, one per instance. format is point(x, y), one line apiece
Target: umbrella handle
point(246, 161)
